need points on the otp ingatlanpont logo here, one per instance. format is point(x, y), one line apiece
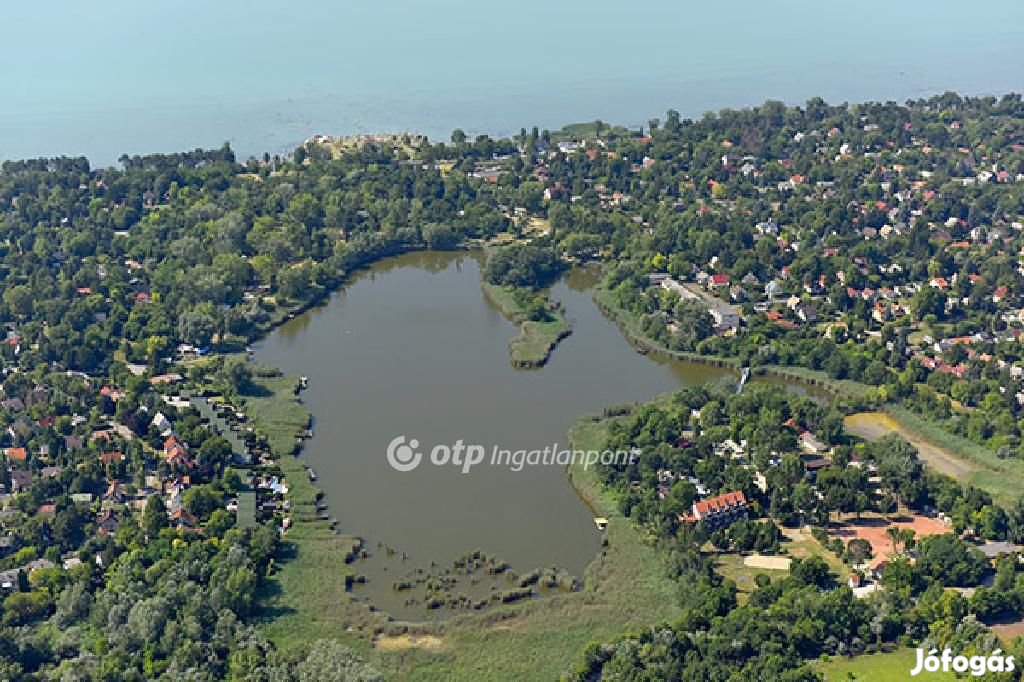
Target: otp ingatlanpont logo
point(404, 457)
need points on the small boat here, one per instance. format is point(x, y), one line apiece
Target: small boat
point(600, 522)
point(312, 474)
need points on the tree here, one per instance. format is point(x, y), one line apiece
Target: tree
point(810, 571)
point(928, 301)
point(154, 517)
point(197, 328)
point(522, 265)
point(950, 561)
point(294, 282)
point(693, 324)
point(18, 300)
point(439, 236)
point(858, 550)
point(305, 210)
point(236, 375)
point(201, 501)
point(22, 608)
point(328, 660)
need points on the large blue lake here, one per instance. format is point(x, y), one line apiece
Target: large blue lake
point(113, 76)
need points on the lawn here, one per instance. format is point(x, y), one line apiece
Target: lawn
point(798, 544)
point(276, 409)
point(732, 567)
point(887, 667)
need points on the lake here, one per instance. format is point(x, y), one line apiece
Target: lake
point(412, 348)
point(116, 76)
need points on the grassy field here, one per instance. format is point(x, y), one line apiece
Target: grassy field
point(275, 407)
point(948, 452)
point(305, 598)
point(536, 340)
point(887, 667)
point(798, 544)
point(731, 566)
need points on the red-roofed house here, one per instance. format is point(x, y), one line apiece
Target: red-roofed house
point(718, 281)
point(182, 519)
point(176, 453)
point(722, 510)
point(112, 456)
point(112, 393)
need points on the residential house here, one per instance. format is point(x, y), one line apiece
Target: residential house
point(807, 313)
point(718, 281)
point(182, 520)
point(176, 452)
point(21, 479)
point(810, 443)
point(114, 456)
point(727, 318)
point(16, 455)
point(721, 511)
point(107, 521)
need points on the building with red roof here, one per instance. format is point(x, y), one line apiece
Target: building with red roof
point(721, 511)
point(17, 454)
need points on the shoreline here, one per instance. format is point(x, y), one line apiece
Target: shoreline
point(545, 335)
point(795, 374)
point(306, 496)
point(311, 522)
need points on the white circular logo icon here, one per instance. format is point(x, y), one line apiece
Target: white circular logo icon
point(404, 457)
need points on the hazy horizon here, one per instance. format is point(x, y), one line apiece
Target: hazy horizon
point(102, 80)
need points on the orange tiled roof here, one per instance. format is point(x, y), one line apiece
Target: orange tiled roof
point(720, 503)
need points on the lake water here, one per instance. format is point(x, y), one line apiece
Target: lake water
point(412, 348)
point(117, 76)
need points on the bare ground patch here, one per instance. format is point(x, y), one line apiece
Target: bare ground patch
point(775, 563)
point(401, 642)
point(874, 425)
